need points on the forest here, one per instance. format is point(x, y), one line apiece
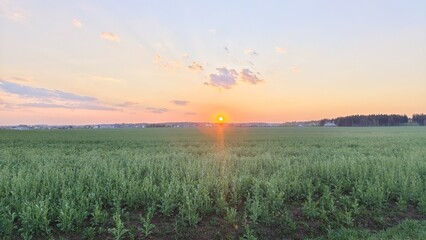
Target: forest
point(377, 120)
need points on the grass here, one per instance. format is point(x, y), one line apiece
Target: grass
point(213, 183)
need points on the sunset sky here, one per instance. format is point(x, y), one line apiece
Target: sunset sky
point(98, 61)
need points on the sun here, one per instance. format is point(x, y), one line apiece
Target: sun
point(219, 118)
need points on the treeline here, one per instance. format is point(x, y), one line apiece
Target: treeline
point(376, 120)
point(420, 119)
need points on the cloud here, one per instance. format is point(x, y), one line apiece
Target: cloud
point(180, 102)
point(77, 23)
point(225, 78)
point(41, 93)
point(34, 97)
point(190, 113)
point(17, 16)
point(226, 49)
point(127, 104)
point(8, 10)
point(248, 76)
point(280, 50)
point(156, 110)
point(109, 36)
point(251, 52)
point(68, 106)
point(105, 79)
point(212, 31)
point(196, 67)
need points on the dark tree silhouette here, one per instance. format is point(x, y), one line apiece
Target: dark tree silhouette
point(371, 120)
point(419, 119)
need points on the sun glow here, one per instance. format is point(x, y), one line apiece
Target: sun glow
point(220, 118)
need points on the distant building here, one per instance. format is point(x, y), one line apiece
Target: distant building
point(329, 124)
point(21, 127)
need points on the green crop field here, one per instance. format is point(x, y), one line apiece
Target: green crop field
point(214, 183)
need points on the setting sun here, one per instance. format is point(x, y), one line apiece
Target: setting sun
point(220, 119)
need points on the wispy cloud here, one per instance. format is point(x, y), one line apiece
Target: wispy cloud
point(68, 106)
point(35, 97)
point(197, 67)
point(212, 31)
point(251, 52)
point(77, 23)
point(225, 78)
point(127, 104)
point(156, 110)
point(12, 12)
point(248, 76)
point(190, 113)
point(110, 36)
point(41, 93)
point(18, 16)
point(180, 102)
point(280, 50)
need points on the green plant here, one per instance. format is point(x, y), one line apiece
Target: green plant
point(67, 217)
point(34, 219)
point(89, 233)
point(99, 216)
point(401, 203)
point(188, 210)
point(167, 203)
point(7, 220)
point(248, 234)
point(254, 208)
point(310, 207)
point(231, 215)
point(146, 222)
point(119, 231)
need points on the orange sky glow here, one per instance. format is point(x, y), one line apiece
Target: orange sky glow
point(89, 62)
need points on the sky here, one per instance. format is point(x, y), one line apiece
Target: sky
point(104, 61)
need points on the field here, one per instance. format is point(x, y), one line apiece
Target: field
point(214, 183)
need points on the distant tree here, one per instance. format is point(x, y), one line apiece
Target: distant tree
point(371, 120)
point(419, 119)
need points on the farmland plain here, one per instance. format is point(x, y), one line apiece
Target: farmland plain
point(213, 183)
